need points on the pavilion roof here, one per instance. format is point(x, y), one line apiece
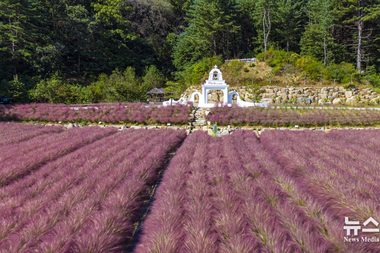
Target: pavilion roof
point(156, 91)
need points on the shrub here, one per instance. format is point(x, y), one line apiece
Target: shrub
point(310, 67)
point(339, 72)
point(246, 70)
point(350, 86)
point(153, 77)
point(235, 65)
point(252, 65)
point(269, 54)
point(194, 73)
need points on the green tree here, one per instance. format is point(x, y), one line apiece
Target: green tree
point(310, 67)
point(153, 78)
point(316, 39)
point(358, 12)
point(78, 31)
point(289, 15)
point(48, 90)
point(119, 86)
point(112, 13)
point(210, 26)
point(18, 30)
point(17, 90)
point(193, 74)
point(339, 72)
point(174, 89)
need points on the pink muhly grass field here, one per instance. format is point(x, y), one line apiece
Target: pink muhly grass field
point(287, 192)
point(79, 190)
point(82, 190)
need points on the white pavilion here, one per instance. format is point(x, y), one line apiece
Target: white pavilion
point(215, 82)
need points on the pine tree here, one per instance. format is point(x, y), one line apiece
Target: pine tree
point(210, 25)
point(205, 21)
point(18, 30)
point(316, 36)
point(358, 12)
point(289, 16)
point(77, 31)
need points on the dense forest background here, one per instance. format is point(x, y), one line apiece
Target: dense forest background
point(70, 51)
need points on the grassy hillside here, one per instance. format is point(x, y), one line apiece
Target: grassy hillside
point(239, 74)
point(280, 68)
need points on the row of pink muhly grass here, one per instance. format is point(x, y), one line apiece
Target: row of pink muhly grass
point(286, 194)
point(22, 158)
point(14, 132)
point(87, 200)
point(289, 117)
point(109, 113)
point(12, 128)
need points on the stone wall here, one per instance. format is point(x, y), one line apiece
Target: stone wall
point(332, 95)
point(300, 95)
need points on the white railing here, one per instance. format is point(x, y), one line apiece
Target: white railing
point(243, 60)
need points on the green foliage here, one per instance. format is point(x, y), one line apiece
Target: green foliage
point(339, 72)
point(316, 40)
point(112, 12)
point(289, 14)
point(203, 36)
point(17, 90)
point(373, 78)
point(310, 67)
point(119, 86)
point(350, 86)
point(49, 90)
point(153, 78)
point(94, 93)
point(194, 73)
point(174, 89)
point(280, 60)
point(252, 65)
point(85, 42)
point(312, 43)
point(255, 93)
point(18, 20)
point(268, 55)
point(246, 70)
point(235, 67)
